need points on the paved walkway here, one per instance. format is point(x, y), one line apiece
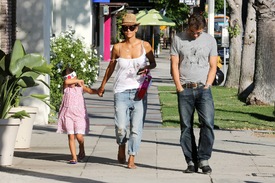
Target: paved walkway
point(238, 156)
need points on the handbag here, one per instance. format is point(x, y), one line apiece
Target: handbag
point(144, 86)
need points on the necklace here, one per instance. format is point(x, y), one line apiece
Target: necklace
point(129, 47)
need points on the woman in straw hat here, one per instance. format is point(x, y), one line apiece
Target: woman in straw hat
point(130, 58)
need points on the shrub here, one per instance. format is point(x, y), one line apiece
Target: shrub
point(67, 51)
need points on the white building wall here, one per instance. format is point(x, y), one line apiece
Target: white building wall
point(37, 21)
point(73, 13)
point(32, 18)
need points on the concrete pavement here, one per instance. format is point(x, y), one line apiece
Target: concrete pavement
point(238, 156)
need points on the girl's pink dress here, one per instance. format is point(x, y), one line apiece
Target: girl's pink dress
point(72, 117)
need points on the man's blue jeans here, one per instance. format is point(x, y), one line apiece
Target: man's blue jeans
point(129, 111)
point(201, 100)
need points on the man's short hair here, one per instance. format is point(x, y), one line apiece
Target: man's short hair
point(197, 21)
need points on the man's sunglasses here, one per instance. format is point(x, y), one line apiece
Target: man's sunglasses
point(131, 27)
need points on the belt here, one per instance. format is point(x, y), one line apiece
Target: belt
point(192, 85)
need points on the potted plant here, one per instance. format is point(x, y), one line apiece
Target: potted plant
point(23, 138)
point(18, 71)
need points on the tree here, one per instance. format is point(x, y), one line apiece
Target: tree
point(178, 12)
point(7, 24)
point(264, 90)
point(248, 54)
point(236, 32)
point(219, 7)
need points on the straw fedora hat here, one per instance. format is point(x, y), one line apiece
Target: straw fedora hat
point(129, 19)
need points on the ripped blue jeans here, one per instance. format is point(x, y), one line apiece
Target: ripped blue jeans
point(129, 111)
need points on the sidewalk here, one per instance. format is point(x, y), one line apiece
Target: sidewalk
point(238, 156)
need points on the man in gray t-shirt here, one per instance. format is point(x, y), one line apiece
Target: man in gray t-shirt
point(194, 64)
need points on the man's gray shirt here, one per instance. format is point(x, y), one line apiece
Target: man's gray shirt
point(193, 56)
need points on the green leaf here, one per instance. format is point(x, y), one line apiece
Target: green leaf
point(30, 60)
point(40, 96)
point(27, 81)
point(51, 106)
point(20, 115)
point(42, 81)
point(45, 68)
point(17, 52)
point(2, 60)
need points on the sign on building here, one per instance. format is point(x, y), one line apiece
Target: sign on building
point(105, 10)
point(188, 2)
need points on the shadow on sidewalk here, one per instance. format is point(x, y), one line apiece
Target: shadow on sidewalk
point(63, 158)
point(107, 161)
point(49, 176)
point(45, 128)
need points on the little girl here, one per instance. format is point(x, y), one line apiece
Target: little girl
point(72, 117)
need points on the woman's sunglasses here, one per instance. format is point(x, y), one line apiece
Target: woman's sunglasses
point(131, 27)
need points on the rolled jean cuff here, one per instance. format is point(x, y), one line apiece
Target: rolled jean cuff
point(191, 163)
point(132, 153)
point(203, 163)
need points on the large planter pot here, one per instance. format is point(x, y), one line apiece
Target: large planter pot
point(8, 133)
point(23, 139)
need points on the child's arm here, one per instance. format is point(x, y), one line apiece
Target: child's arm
point(89, 90)
point(73, 81)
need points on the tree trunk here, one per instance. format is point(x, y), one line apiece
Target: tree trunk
point(233, 73)
point(248, 54)
point(7, 24)
point(264, 91)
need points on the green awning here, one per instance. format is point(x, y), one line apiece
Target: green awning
point(153, 17)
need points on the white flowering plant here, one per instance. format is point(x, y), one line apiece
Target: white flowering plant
point(67, 51)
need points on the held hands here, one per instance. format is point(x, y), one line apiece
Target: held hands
point(100, 91)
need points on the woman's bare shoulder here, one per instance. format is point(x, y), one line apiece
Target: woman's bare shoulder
point(146, 45)
point(116, 46)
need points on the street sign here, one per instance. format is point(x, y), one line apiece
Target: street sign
point(105, 10)
point(225, 37)
point(188, 2)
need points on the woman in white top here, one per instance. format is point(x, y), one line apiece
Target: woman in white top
point(130, 58)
